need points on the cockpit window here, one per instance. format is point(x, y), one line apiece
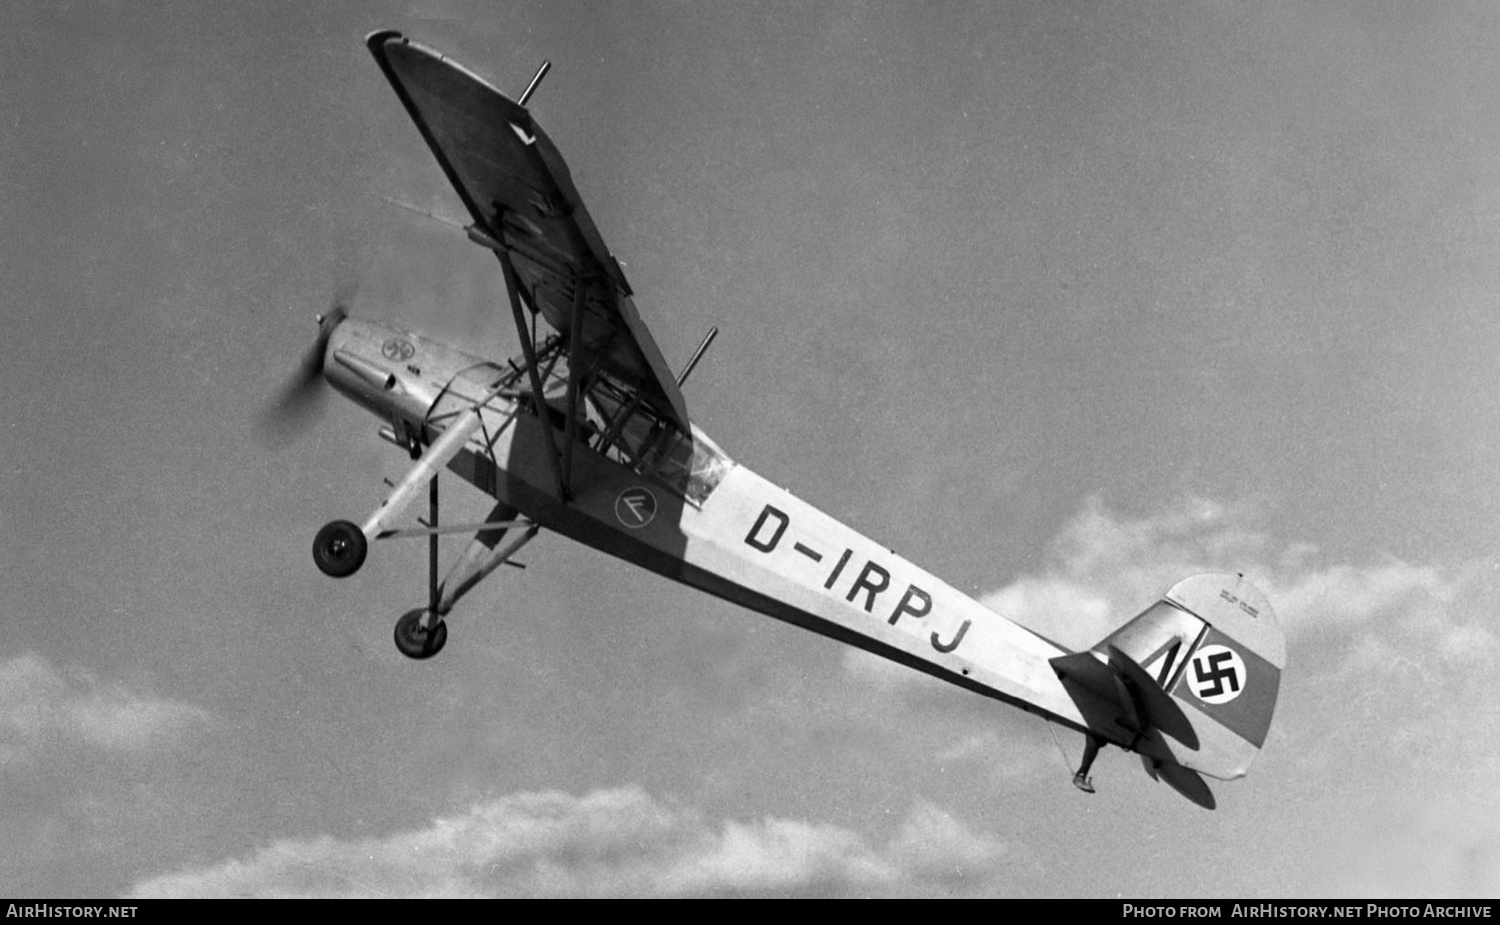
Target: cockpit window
point(689, 464)
point(612, 421)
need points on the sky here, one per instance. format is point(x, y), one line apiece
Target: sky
point(1063, 301)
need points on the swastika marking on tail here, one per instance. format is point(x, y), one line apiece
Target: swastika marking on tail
point(1218, 674)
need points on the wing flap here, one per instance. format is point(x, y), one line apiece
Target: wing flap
point(519, 192)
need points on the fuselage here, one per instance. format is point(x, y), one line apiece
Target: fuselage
point(688, 512)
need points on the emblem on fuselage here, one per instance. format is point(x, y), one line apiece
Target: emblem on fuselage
point(398, 349)
point(635, 507)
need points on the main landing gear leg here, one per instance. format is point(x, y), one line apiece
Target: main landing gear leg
point(423, 632)
point(340, 547)
point(482, 556)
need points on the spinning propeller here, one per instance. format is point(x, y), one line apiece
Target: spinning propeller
point(296, 404)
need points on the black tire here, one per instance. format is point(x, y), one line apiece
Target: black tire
point(339, 549)
point(416, 642)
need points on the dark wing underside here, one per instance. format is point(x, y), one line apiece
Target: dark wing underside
point(518, 191)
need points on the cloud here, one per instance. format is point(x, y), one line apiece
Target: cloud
point(1348, 595)
point(1003, 759)
point(1393, 614)
point(1103, 569)
point(931, 844)
point(1381, 644)
point(1375, 644)
point(619, 842)
point(1438, 846)
point(40, 704)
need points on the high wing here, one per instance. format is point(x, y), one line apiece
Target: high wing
point(524, 205)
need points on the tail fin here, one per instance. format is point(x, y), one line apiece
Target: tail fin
point(1195, 678)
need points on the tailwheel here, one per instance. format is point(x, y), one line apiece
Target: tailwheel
point(417, 641)
point(339, 549)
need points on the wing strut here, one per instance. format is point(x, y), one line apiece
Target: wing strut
point(575, 326)
point(432, 552)
point(513, 289)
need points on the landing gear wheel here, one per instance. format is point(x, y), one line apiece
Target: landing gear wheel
point(339, 549)
point(416, 642)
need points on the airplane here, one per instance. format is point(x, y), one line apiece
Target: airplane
point(587, 435)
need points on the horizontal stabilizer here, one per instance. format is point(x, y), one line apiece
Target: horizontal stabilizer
point(1141, 704)
point(1156, 707)
point(1186, 782)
